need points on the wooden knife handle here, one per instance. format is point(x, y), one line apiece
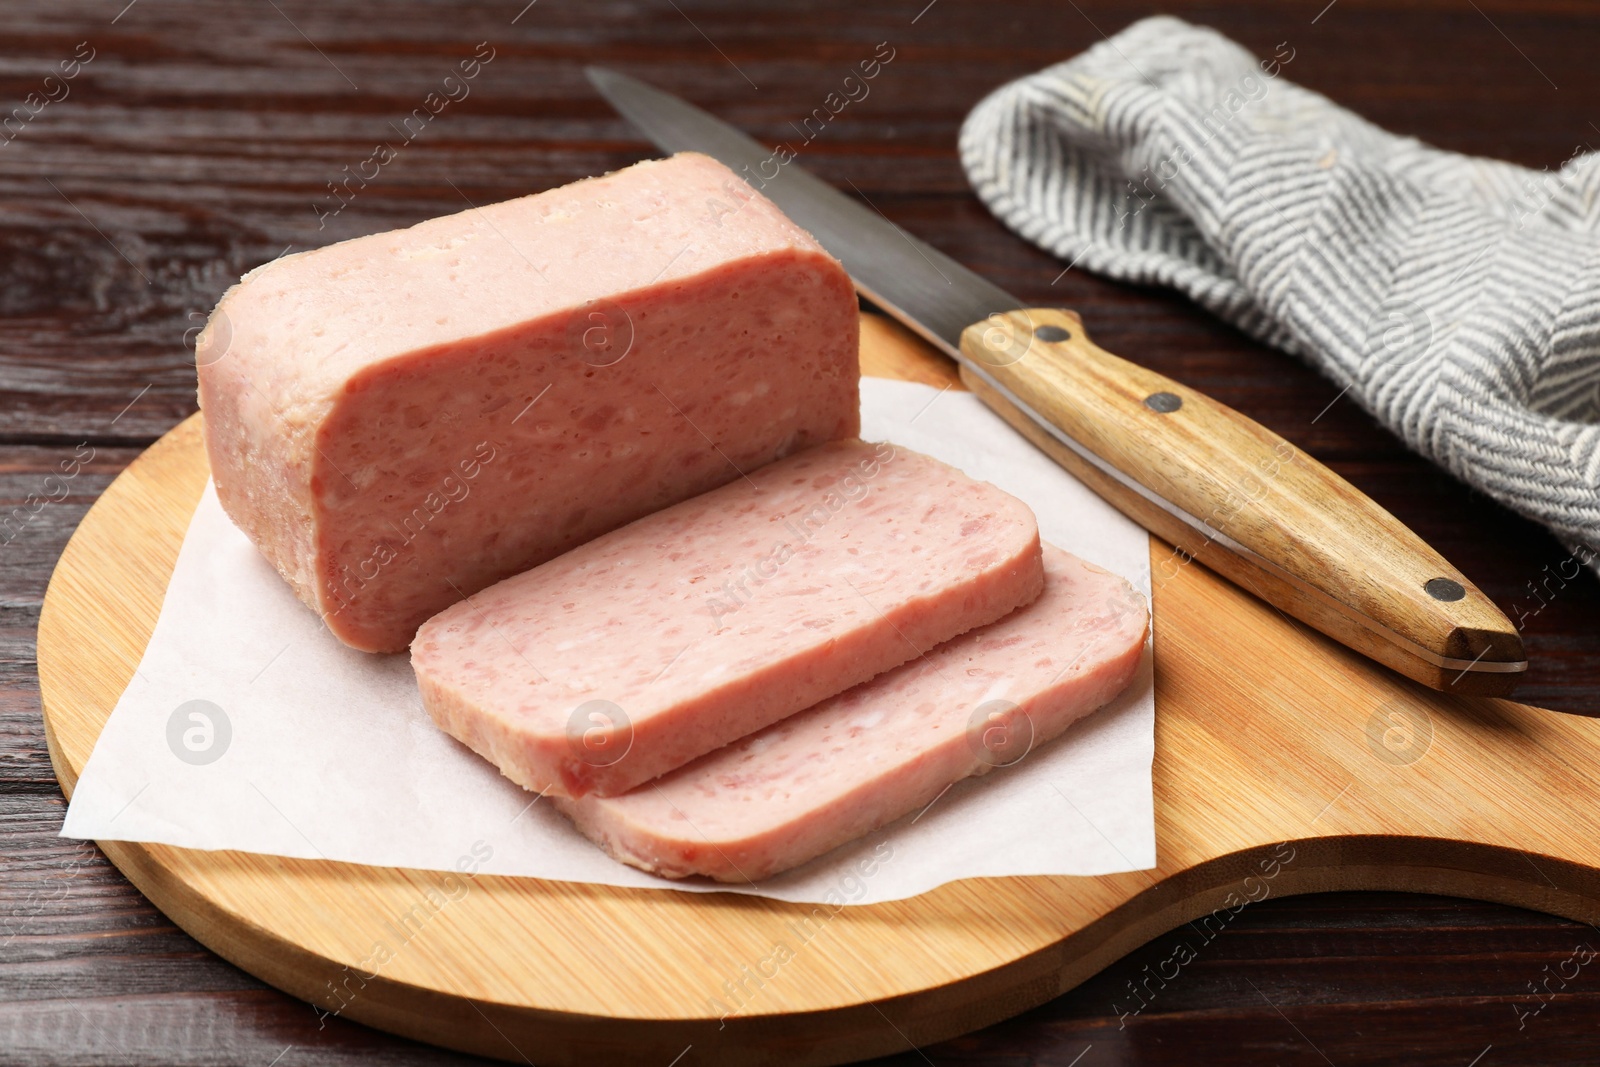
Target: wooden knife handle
point(1243, 501)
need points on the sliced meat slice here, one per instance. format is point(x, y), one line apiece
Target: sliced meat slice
point(659, 642)
point(856, 762)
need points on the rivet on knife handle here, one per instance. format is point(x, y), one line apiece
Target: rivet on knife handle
point(1238, 498)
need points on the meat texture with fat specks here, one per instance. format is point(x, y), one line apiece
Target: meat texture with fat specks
point(849, 765)
point(400, 420)
point(679, 633)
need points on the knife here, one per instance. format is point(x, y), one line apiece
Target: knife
point(1217, 486)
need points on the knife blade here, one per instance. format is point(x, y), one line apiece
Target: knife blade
point(1218, 487)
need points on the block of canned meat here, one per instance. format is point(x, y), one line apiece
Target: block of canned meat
point(403, 419)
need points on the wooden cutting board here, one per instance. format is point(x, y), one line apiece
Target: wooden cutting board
point(1284, 764)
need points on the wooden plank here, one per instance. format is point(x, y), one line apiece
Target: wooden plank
point(222, 124)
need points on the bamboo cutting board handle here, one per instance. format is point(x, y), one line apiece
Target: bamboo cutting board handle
point(1228, 492)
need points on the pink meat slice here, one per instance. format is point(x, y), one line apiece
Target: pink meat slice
point(402, 419)
point(659, 642)
point(860, 760)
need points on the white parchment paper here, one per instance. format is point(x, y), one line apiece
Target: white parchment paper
point(306, 748)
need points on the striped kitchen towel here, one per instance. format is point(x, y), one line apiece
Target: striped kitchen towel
point(1457, 299)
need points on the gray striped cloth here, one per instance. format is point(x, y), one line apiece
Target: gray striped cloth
point(1457, 299)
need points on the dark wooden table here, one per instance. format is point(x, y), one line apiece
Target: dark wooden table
point(199, 139)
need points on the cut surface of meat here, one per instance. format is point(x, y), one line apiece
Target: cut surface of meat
point(400, 420)
point(679, 633)
point(887, 748)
